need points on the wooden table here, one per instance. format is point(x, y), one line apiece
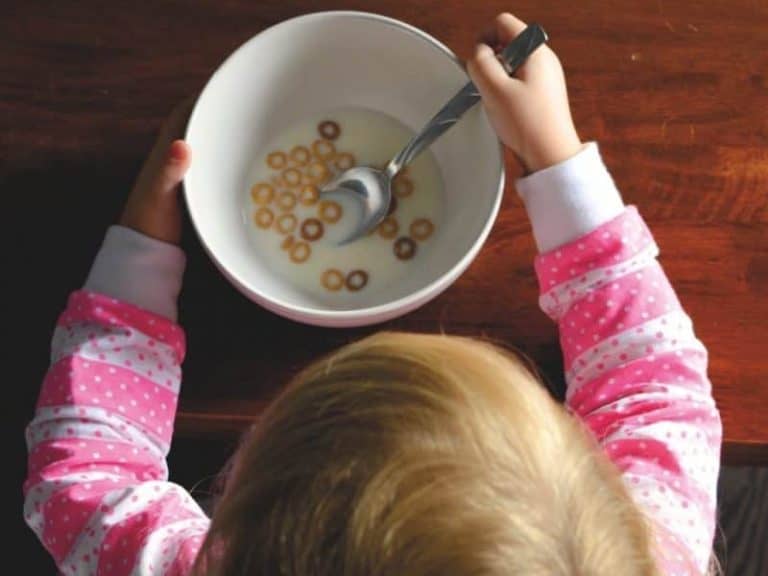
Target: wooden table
point(675, 92)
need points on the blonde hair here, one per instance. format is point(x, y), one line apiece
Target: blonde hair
point(421, 455)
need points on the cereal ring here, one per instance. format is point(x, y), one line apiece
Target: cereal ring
point(329, 129)
point(422, 228)
point(318, 173)
point(356, 280)
point(277, 160)
point(332, 280)
point(323, 149)
point(300, 252)
point(309, 195)
point(264, 217)
point(402, 187)
point(286, 223)
point(286, 200)
point(405, 248)
point(300, 155)
point(329, 211)
point(392, 206)
point(287, 243)
point(312, 229)
point(344, 161)
point(388, 227)
point(292, 177)
point(262, 193)
point(305, 180)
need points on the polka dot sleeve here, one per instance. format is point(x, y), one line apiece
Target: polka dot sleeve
point(97, 493)
point(637, 375)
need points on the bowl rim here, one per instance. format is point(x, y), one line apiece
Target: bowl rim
point(369, 314)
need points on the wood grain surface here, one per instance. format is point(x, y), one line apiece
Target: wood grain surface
point(676, 93)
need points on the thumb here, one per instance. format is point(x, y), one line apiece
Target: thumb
point(175, 166)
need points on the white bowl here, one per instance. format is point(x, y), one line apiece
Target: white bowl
point(304, 67)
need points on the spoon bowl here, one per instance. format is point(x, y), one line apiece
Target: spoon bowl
point(373, 187)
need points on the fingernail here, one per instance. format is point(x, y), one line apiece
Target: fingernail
point(177, 152)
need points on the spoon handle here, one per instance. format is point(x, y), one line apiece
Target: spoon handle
point(512, 57)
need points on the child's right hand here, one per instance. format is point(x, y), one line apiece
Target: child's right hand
point(529, 111)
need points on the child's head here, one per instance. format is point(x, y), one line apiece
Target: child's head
point(417, 454)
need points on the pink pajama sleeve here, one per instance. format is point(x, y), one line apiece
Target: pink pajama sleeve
point(97, 492)
point(635, 371)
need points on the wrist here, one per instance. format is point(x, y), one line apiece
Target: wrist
point(156, 217)
point(553, 150)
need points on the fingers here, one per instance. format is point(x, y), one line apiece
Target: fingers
point(508, 27)
point(176, 123)
point(504, 28)
point(484, 68)
point(171, 173)
point(172, 129)
point(487, 73)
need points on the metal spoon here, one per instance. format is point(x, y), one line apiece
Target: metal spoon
point(373, 187)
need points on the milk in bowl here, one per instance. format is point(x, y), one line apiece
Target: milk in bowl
point(297, 233)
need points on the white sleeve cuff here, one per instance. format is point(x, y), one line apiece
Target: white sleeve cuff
point(138, 269)
point(570, 199)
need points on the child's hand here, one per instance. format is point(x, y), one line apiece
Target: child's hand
point(153, 206)
point(529, 111)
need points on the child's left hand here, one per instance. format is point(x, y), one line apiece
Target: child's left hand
point(153, 205)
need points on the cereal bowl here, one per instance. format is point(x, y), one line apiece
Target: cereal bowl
point(304, 68)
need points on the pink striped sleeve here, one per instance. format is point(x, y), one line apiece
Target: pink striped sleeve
point(97, 493)
point(637, 375)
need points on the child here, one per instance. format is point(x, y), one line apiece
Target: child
point(400, 454)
